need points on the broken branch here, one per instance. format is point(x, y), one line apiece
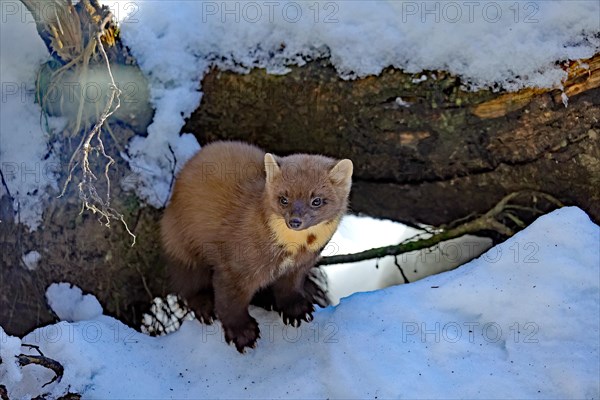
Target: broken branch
point(55, 366)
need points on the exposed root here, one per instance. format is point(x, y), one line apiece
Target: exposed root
point(92, 142)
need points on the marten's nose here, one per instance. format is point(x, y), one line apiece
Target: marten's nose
point(295, 223)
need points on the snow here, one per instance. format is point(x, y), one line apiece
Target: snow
point(476, 40)
point(31, 260)
point(521, 321)
point(26, 160)
point(402, 103)
point(10, 347)
point(70, 304)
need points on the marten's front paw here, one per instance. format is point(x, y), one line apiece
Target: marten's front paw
point(296, 312)
point(242, 334)
point(264, 298)
point(203, 306)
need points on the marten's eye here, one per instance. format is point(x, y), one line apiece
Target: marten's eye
point(283, 201)
point(316, 202)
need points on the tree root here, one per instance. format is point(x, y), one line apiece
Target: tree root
point(77, 36)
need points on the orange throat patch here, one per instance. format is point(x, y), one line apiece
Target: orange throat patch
point(312, 239)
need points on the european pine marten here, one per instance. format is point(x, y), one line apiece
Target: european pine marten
point(242, 224)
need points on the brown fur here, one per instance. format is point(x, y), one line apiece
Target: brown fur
point(230, 237)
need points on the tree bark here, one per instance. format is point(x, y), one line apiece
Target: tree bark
point(424, 150)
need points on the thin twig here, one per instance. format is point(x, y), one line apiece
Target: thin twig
point(515, 219)
point(144, 283)
point(173, 168)
point(487, 221)
point(400, 268)
point(5, 185)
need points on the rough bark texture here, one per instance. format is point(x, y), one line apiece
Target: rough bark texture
point(424, 151)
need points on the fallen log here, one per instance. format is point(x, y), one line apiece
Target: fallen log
point(425, 149)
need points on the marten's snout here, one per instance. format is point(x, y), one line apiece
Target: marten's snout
point(295, 220)
point(295, 223)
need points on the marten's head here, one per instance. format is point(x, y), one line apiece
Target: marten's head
point(306, 190)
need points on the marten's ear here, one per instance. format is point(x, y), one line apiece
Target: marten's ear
point(271, 167)
point(341, 174)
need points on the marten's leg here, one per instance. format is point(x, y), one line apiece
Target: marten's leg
point(194, 284)
point(233, 294)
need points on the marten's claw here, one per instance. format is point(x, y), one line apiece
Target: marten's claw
point(242, 336)
point(206, 320)
point(286, 319)
point(294, 313)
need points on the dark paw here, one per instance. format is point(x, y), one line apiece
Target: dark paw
point(206, 317)
point(243, 335)
point(264, 298)
point(295, 312)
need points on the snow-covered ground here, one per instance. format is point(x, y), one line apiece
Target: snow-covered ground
point(522, 321)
